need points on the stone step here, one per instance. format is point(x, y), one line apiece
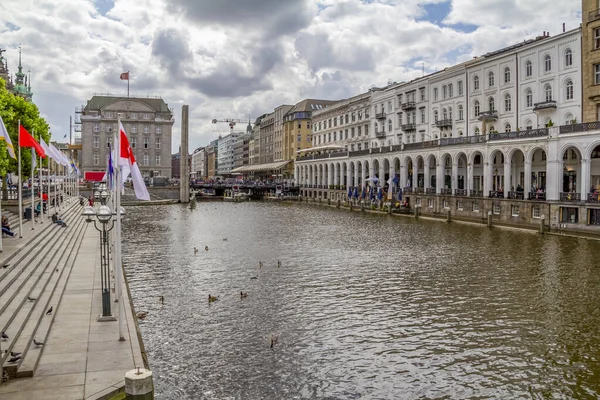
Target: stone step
point(20, 266)
point(30, 240)
point(25, 319)
point(39, 326)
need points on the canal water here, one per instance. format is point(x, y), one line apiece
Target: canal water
point(362, 306)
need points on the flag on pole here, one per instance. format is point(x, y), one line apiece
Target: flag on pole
point(26, 140)
point(110, 170)
point(33, 161)
point(4, 136)
point(129, 165)
point(124, 76)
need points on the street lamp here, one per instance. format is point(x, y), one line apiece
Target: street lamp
point(104, 215)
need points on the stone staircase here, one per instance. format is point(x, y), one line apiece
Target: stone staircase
point(38, 271)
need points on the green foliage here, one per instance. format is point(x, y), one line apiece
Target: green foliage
point(13, 109)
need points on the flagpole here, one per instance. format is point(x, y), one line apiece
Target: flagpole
point(20, 184)
point(1, 194)
point(127, 83)
point(118, 262)
point(41, 192)
point(32, 189)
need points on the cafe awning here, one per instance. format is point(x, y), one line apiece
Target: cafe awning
point(260, 167)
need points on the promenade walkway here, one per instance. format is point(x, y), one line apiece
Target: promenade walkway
point(81, 358)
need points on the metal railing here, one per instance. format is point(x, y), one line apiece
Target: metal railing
point(421, 145)
point(409, 105)
point(443, 123)
point(419, 190)
point(494, 194)
point(593, 198)
point(380, 115)
point(409, 127)
point(540, 196)
point(380, 134)
point(544, 105)
point(488, 115)
point(476, 193)
point(519, 134)
point(446, 191)
point(463, 140)
point(430, 191)
point(460, 192)
point(570, 197)
point(574, 128)
point(407, 190)
point(516, 195)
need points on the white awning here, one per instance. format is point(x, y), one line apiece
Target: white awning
point(322, 148)
point(261, 167)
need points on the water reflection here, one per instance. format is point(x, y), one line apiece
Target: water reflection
point(363, 305)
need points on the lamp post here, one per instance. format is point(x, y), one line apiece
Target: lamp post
point(104, 216)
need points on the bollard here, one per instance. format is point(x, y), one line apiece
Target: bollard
point(329, 201)
point(416, 212)
point(339, 203)
point(362, 206)
point(448, 216)
point(139, 385)
point(390, 209)
point(351, 206)
point(490, 223)
point(542, 224)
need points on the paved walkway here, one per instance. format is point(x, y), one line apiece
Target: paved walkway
point(82, 358)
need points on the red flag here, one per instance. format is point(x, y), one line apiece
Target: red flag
point(129, 166)
point(26, 140)
point(124, 76)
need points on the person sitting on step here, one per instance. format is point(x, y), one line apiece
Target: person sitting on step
point(6, 227)
point(56, 219)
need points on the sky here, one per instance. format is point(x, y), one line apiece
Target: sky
point(242, 58)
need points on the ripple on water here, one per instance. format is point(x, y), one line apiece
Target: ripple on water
point(363, 306)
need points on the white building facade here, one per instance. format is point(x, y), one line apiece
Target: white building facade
point(198, 168)
point(225, 152)
point(500, 132)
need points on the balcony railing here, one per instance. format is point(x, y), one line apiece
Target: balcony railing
point(430, 191)
point(491, 115)
point(409, 127)
point(476, 193)
point(407, 190)
point(593, 198)
point(463, 140)
point(494, 194)
point(519, 134)
point(357, 153)
point(460, 192)
point(570, 197)
point(420, 145)
point(594, 15)
point(442, 123)
point(574, 128)
point(516, 195)
point(409, 105)
point(539, 196)
point(380, 115)
point(447, 191)
point(380, 134)
point(418, 190)
point(545, 105)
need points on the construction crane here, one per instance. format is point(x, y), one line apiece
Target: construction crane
point(232, 122)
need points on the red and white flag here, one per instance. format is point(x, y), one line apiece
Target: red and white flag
point(129, 165)
point(124, 76)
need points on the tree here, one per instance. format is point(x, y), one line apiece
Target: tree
point(12, 109)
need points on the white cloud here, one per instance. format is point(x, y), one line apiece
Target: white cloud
point(228, 59)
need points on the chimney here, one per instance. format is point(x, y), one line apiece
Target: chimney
point(563, 27)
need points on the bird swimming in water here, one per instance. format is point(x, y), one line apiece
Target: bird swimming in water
point(224, 239)
point(206, 248)
point(195, 250)
point(278, 263)
point(260, 264)
point(254, 277)
point(243, 294)
point(212, 298)
point(273, 340)
point(141, 314)
point(162, 299)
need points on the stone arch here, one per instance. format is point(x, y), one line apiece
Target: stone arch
point(476, 168)
point(460, 181)
point(570, 156)
point(419, 171)
point(376, 169)
point(496, 162)
point(386, 170)
point(431, 177)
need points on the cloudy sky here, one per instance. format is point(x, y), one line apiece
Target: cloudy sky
point(234, 58)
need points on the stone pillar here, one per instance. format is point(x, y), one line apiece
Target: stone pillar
point(427, 177)
point(184, 182)
point(439, 178)
point(454, 180)
point(553, 179)
point(138, 384)
point(363, 172)
point(350, 180)
point(527, 181)
point(506, 178)
point(336, 174)
point(381, 174)
point(470, 179)
point(403, 176)
point(542, 224)
point(490, 222)
point(487, 175)
point(584, 186)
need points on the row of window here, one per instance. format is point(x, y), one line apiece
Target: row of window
point(536, 211)
point(113, 114)
point(145, 161)
point(341, 120)
point(345, 134)
point(132, 142)
point(129, 129)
